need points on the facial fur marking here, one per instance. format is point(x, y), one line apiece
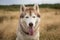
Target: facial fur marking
point(38, 15)
point(29, 10)
point(22, 15)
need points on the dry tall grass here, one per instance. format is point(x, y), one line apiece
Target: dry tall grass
point(49, 26)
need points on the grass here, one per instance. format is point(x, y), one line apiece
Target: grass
point(49, 26)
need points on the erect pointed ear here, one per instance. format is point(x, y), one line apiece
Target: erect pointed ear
point(36, 7)
point(22, 8)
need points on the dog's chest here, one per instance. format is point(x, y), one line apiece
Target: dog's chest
point(35, 37)
point(30, 38)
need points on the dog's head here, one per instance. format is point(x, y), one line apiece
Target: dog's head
point(29, 18)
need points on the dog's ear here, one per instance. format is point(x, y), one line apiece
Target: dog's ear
point(22, 8)
point(36, 7)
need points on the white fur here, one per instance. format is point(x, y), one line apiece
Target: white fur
point(25, 25)
point(31, 19)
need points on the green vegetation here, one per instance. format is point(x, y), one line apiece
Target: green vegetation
point(10, 7)
point(55, 6)
point(17, 7)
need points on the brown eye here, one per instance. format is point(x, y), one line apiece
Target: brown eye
point(38, 15)
point(33, 16)
point(27, 17)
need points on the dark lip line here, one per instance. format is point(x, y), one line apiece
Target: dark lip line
point(24, 31)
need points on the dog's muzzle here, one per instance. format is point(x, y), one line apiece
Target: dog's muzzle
point(30, 24)
point(31, 29)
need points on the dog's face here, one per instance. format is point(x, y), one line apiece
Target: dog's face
point(30, 18)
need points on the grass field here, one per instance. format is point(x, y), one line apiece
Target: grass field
point(49, 26)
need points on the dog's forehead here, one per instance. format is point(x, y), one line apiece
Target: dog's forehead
point(30, 10)
point(32, 14)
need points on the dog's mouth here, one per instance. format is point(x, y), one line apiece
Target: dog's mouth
point(31, 32)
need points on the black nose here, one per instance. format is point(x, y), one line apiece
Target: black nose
point(31, 24)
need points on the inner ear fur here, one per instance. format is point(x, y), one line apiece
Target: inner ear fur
point(36, 7)
point(22, 8)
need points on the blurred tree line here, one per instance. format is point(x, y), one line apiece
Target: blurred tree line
point(17, 7)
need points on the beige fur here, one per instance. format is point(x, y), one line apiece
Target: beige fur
point(20, 34)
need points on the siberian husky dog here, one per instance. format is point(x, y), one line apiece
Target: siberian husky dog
point(29, 20)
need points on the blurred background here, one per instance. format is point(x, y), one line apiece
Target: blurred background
point(50, 18)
